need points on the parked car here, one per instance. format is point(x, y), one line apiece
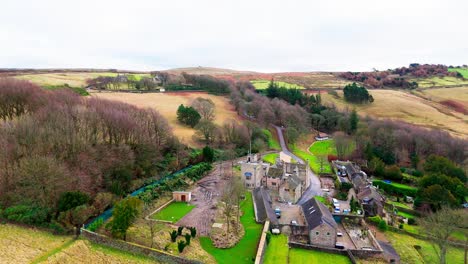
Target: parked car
point(278, 212)
point(294, 222)
point(337, 210)
point(339, 234)
point(339, 246)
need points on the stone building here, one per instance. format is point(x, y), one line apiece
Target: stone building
point(322, 228)
point(253, 171)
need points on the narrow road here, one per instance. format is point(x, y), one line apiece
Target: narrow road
point(315, 186)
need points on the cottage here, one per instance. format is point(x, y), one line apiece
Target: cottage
point(180, 196)
point(322, 228)
point(372, 201)
point(274, 177)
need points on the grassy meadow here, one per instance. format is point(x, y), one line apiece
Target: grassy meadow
point(402, 105)
point(29, 245)
point(167, 104)
point(405, 246)
point(263, 84)
point(439, 81)
point(245, 250)
point(272, 141)
point(74, 79)
point(463, 71)
point(174, 212)
point(271, 158)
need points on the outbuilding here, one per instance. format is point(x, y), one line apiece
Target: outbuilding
point(181, 196)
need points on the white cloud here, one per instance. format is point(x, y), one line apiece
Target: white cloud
point(251, 35)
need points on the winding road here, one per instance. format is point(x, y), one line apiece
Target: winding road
point(315, 186)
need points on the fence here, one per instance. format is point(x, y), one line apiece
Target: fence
point(108, 213)
point(158, 255)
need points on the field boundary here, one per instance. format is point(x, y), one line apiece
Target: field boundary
point(135, 248)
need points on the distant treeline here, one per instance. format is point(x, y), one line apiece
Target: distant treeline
point(399, 77)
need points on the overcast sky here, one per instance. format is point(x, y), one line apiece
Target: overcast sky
point(268, 36)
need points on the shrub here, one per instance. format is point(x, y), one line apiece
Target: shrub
point(411, 221)
point(193, 231)
point(173, 235)
point(393, 172)
point(69, 200)
point(181, 245)
point(187, 239)
point(96, 224)
point(179, 230)
point(383, 225)
point(268, 238)
point(28, 214)
point(375, 219)
point(400, 226)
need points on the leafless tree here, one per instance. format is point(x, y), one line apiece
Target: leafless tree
point(205, 107)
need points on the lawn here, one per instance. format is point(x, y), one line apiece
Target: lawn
point(318, 148)
point(304, 256)
point(271, 158)
point(406, 215)
point(399, 204)
point(277, 250)
point(463, 71)
point(272, 141)
point(324, 147)
point(174, 212)
point(246, 249)
point(320, 199)
point(263, 84)
point(404, 245)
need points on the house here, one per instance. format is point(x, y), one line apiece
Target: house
point(292, 189)
point(253, 171)
point(322, 228)
point(274, 177)
point(180, 196)
point(372, 201)
point(321, 136)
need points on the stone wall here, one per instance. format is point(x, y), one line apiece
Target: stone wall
point(158, 255)
point(262, 244)
point(326, 235)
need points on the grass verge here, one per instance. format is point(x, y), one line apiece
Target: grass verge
point(272, 142)
point(277, 250)
point(304, 256)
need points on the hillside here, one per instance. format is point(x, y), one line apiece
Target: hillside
point(409, 107)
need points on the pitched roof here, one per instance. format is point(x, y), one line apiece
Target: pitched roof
point(316, 213)
point(293, 181)
point(275, 172)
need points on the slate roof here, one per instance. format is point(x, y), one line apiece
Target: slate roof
point(275, 172)
point(293, 182)
point(263, 203)
point(316, 213)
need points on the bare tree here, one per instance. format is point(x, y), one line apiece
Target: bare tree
point(228, 201)
point(440, 225)
point(321, 159)
point(343, 144)
point(205, 107)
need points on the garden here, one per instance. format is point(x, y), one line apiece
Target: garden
point(246, 249)
point(271, 158)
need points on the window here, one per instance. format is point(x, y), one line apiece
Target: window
point(248, 177)
point(328, 233)
point(273, 183)
point(317, 233)
point(286, 190)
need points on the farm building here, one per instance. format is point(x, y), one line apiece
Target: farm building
point(320, 223)
point(180, 196)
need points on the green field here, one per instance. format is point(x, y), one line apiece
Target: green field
point(174, 212)
point(399, 185)
point(403, 205)
point(404, 245)
point(440, 81)
point(277, 250)
point(246, 249)
point(463, 71)
point(271, 158)
point(318, 148)
point(304, 256)
point(272, 142)
point(263, 84)
point(406, 215)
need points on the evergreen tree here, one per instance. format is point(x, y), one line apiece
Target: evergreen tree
point(188, 115)
point(353, 121)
